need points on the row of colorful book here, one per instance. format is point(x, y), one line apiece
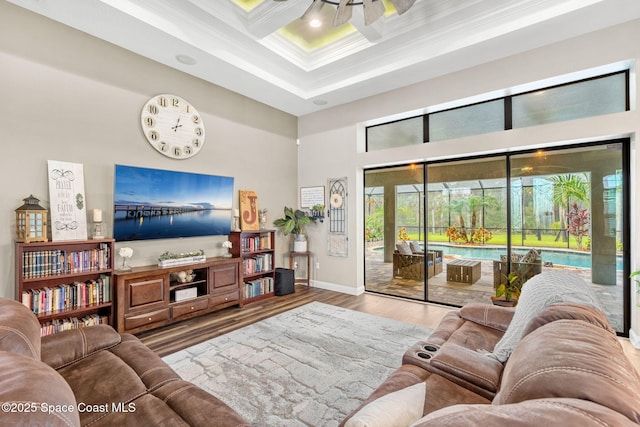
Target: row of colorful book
point(256, 243)
point(55, 261)
point(257, 287)
point(68, 296)
point(257, 264)
point(59, 325)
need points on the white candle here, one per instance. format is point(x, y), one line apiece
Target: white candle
point(97, 215)
point(236, 212)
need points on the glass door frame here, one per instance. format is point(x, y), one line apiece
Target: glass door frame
point(626, 211)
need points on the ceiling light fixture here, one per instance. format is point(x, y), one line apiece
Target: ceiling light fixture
point(372, 10)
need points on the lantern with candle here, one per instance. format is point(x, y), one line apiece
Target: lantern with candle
point(31, 221)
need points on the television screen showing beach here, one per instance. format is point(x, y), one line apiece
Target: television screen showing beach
point(162, 204)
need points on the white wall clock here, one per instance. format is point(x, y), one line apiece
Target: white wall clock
point(172, 126)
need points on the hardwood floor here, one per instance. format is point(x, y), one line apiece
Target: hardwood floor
point(175, 337)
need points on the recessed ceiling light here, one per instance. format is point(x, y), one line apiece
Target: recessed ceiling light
point(185, 59)
point(320, 102)
point(315, 23)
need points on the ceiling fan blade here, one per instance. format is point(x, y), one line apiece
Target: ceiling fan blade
point(373, 10)
point(313, 10)
point(402, 5)
point(343, 13)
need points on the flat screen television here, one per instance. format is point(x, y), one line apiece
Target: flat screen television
point(162, 204)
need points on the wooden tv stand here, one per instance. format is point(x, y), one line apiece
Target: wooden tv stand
point(149, 297)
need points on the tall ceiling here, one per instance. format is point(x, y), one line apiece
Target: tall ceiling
point(263, 50)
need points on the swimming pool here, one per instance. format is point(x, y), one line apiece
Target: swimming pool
point(557, 257)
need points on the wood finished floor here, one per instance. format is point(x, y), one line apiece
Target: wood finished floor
point(176, 337)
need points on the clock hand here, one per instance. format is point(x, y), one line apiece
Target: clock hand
point(178, 125)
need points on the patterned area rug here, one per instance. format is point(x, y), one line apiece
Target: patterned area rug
point(310, 366)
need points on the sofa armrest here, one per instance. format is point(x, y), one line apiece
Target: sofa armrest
point(491, 316)
point(19, 329)
point(64, 348)
point(33, 394)
point(471, 366)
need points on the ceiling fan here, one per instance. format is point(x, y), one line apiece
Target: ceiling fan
point(372, 9)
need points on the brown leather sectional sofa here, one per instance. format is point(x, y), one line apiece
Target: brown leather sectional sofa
point(93, 376)
point(568, 369)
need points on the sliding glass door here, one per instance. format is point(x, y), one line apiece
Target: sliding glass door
point(567, 205)
point(467, 225)
point(395, 263)
point(451, 231)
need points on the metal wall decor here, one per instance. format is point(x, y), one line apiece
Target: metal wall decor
point(337, 238)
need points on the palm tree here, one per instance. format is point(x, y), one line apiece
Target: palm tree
point(479, 202)
point(566, 189)
point(463, 205)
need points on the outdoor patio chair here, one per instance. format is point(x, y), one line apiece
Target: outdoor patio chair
point(525, 266)
point(410, 265)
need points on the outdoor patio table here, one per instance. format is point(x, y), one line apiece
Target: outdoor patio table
point(464, 271)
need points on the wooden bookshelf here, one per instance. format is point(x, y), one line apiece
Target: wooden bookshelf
point(257, 252)
point(66, 284)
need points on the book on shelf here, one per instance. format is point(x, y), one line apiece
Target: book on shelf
point(59, 325)
point(256, 243)
point(257, 264)
point(49, 300)
point(52, 262)
point(257, 287)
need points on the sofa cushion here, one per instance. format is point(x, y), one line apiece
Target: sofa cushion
point(397, 409)
point(539, 412)
point(19, 329)
point(533, 255)
point(538, 293)
point(403, 248)
point(570, 311)
point(440, 392)
point(33, 394)
point(572, 359)
point(67, 347)
point(491, 316)
point(468, 365)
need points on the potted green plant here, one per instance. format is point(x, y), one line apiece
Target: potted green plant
point(294, 222)
point(508, 292)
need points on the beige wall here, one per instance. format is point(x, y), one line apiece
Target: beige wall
point(337, 134)
point(70, 97)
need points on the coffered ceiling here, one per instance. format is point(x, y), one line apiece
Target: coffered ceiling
point(263, 50)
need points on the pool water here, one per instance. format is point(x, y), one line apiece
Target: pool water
point(557, 257)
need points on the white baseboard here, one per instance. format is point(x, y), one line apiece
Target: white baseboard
point(634, 338)
point(338, 288)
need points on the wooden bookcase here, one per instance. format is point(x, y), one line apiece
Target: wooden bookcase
point(256, 250)
point(66, 283)
point(149, 297)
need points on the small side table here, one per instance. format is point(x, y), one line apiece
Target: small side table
point(293, 265)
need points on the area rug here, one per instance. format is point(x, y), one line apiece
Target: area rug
point(310, 366)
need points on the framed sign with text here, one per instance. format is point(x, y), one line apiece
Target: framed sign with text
point(67, 203)
point(311, 196)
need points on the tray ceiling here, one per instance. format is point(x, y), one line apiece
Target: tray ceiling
point(263, 50)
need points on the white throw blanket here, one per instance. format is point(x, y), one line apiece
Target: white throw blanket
point(539, 292)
